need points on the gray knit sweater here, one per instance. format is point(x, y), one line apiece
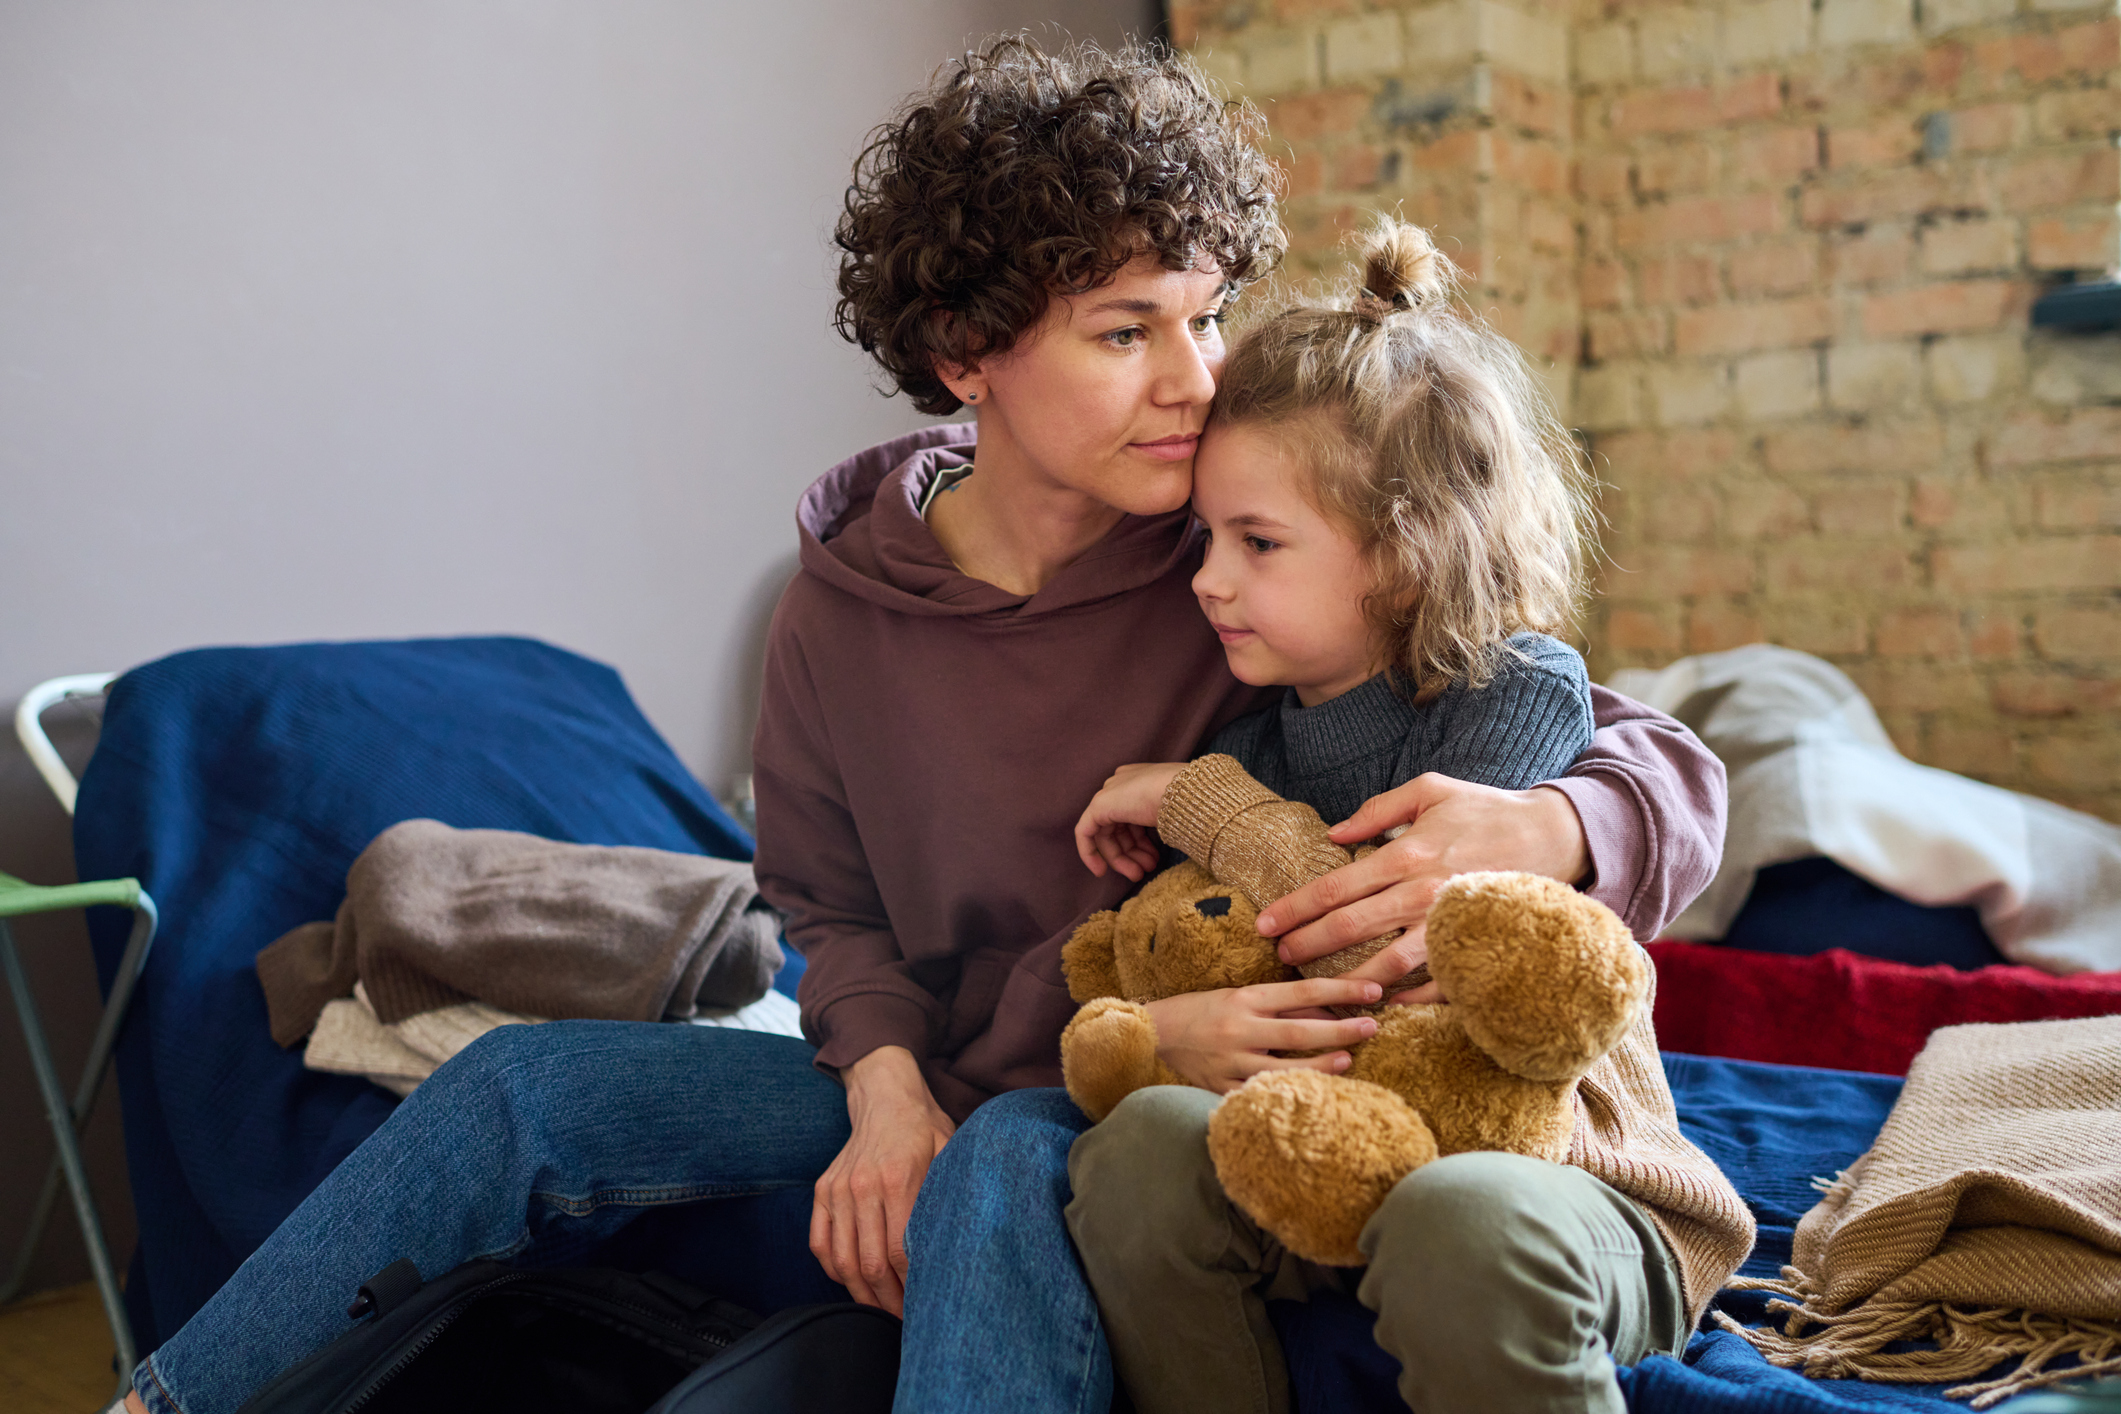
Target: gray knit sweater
point(1526, 726)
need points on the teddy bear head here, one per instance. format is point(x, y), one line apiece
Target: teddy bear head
point(1182, 933)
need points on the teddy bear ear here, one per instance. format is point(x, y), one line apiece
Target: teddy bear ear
point(1090, 959)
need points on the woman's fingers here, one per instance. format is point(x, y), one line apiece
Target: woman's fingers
point(886, 1287)
point(1325, 895)
point(1401, 805)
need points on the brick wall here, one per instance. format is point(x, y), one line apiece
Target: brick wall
point(1778, 255)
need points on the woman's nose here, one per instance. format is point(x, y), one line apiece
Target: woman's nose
point(1189, 375)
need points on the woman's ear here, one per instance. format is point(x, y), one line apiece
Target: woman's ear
point(1090, 959)
point(965, 380)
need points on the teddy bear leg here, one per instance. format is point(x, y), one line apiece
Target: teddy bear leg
point(1108, 1052)
point(1311, 1156)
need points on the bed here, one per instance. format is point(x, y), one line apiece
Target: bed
point(238, 785)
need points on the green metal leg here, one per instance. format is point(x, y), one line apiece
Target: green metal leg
point(64, 1120)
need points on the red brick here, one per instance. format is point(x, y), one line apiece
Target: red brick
point(1778, 269)
point(1948, 307)
point(1919, 633)
point(1777, 157)
point(1540, 166)
point(1679, 279)
point(1462, 151)
point(1602, 284)
point(2063, 180)
point(1894, 83)
point(1991, 127)
point(2020, 566)
point(1701, 218)
point(1970, 507)
point(2037, 58)
point(1902, 192)
point(1762, 510)
point(1896, 686)
point(2078, 633)
point(1865, 509)
point(1306, 9)
point(1840, 565)
point(1988, 753)
point(2038, 694)
point(1879, 449)
point(1613, 336)
point(1994, 637)
point(1689, 109)
point(1304, 173)
point(1358, 167)
point(1520, 102)
point(2075, 503)
point(1694, 569)
point(1714, 625)
point(1684, 167)
point(1811, 627)
point(1889, 144)
point(1307, 117)
point(2064, 117)
point(1683, 455)
point(1683, 516)
point(2076, 760)
point(1602, 177)
point(2073, 245)
point(1743, 328)
point(1642, 630)
point(1871, 258)
point(2086, 434)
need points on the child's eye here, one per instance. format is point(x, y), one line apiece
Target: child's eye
point(1260, 544)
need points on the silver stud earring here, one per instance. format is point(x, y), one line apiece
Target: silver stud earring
point(971, 397)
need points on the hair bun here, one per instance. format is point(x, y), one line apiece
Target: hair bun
point(1402, 268)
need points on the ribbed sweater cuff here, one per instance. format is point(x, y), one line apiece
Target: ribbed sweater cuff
point(861, 1022)
point(1202, 799)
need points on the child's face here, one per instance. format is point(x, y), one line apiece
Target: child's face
point(1282, 585)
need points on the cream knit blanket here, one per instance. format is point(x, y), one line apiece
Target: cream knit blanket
point(1986, 1218)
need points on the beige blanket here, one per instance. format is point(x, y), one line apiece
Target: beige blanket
point(437, 917)
point(1986, 1218)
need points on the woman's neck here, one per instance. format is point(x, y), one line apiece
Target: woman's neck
point(1013, 527)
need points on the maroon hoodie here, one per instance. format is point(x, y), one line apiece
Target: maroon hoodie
point(927, 740)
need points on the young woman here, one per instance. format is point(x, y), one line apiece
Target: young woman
point(1049, 242)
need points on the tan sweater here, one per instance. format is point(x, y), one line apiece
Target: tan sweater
point(1627, 1128)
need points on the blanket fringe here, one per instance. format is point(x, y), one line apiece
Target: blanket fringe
point(1970, 1341)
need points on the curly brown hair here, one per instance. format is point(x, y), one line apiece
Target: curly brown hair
point(1018, 174)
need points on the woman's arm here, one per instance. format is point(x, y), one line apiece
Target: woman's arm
point(1637, 823)
point(861, 1006)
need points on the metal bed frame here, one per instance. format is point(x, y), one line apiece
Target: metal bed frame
point(69, 1119)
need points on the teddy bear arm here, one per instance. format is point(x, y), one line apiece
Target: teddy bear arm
point(1108, 1052)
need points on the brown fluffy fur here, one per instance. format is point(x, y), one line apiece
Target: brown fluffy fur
point(1542, 981)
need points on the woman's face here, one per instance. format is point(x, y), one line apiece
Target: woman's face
point(1107, 394)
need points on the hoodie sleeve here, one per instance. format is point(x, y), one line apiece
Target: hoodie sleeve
point(858, 992)
point(1651, 798)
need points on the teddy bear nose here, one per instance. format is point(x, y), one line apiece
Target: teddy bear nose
point(1218, 907)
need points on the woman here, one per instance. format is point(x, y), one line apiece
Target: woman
point(1050, 242)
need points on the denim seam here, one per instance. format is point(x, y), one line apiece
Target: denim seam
point(157, 1397)
point(653, 1197)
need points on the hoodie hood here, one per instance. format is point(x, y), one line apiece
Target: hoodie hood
point(862, 533)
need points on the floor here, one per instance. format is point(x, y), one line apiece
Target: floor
point(55, 1353)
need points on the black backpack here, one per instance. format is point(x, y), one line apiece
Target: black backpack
point(585, 1341)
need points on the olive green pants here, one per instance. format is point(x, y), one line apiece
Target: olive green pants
point(1502, 1284)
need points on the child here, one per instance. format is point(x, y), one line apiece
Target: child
point(1396, 522)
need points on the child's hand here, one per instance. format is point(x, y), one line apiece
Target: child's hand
point(1219, 1040)
point(1114, 829)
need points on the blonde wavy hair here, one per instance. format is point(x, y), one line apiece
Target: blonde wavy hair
point(1432, 443)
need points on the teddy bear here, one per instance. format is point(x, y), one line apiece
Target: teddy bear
point(1541, 982)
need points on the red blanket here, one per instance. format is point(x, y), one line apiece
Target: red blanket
point(1844, 1011)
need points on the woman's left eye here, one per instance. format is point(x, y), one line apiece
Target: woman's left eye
point(1207, 323)
point(1124, 338)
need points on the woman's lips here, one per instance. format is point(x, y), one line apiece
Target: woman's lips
point(1170, 449)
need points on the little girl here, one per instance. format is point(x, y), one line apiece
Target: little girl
point(1396, 523)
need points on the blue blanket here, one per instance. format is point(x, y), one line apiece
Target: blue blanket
point(1773, 1129)
point(238, 785)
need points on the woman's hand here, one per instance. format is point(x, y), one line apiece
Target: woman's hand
point(1453, 827)
point(858, 1222)
point(1219, 1040)
point(1114, 830)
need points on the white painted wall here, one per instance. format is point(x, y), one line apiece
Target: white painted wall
point(429, 317)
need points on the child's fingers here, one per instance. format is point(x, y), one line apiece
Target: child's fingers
point(1332, 1063)
point(1280, 997)
point(1286, 1035)
point(1115, 852)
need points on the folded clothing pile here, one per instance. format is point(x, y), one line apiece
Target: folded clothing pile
point(447, 933)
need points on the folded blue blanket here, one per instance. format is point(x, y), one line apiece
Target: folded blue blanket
point(238, 785)
point(1773, 1129)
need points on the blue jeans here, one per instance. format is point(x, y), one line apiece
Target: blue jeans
point(539, 1144)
